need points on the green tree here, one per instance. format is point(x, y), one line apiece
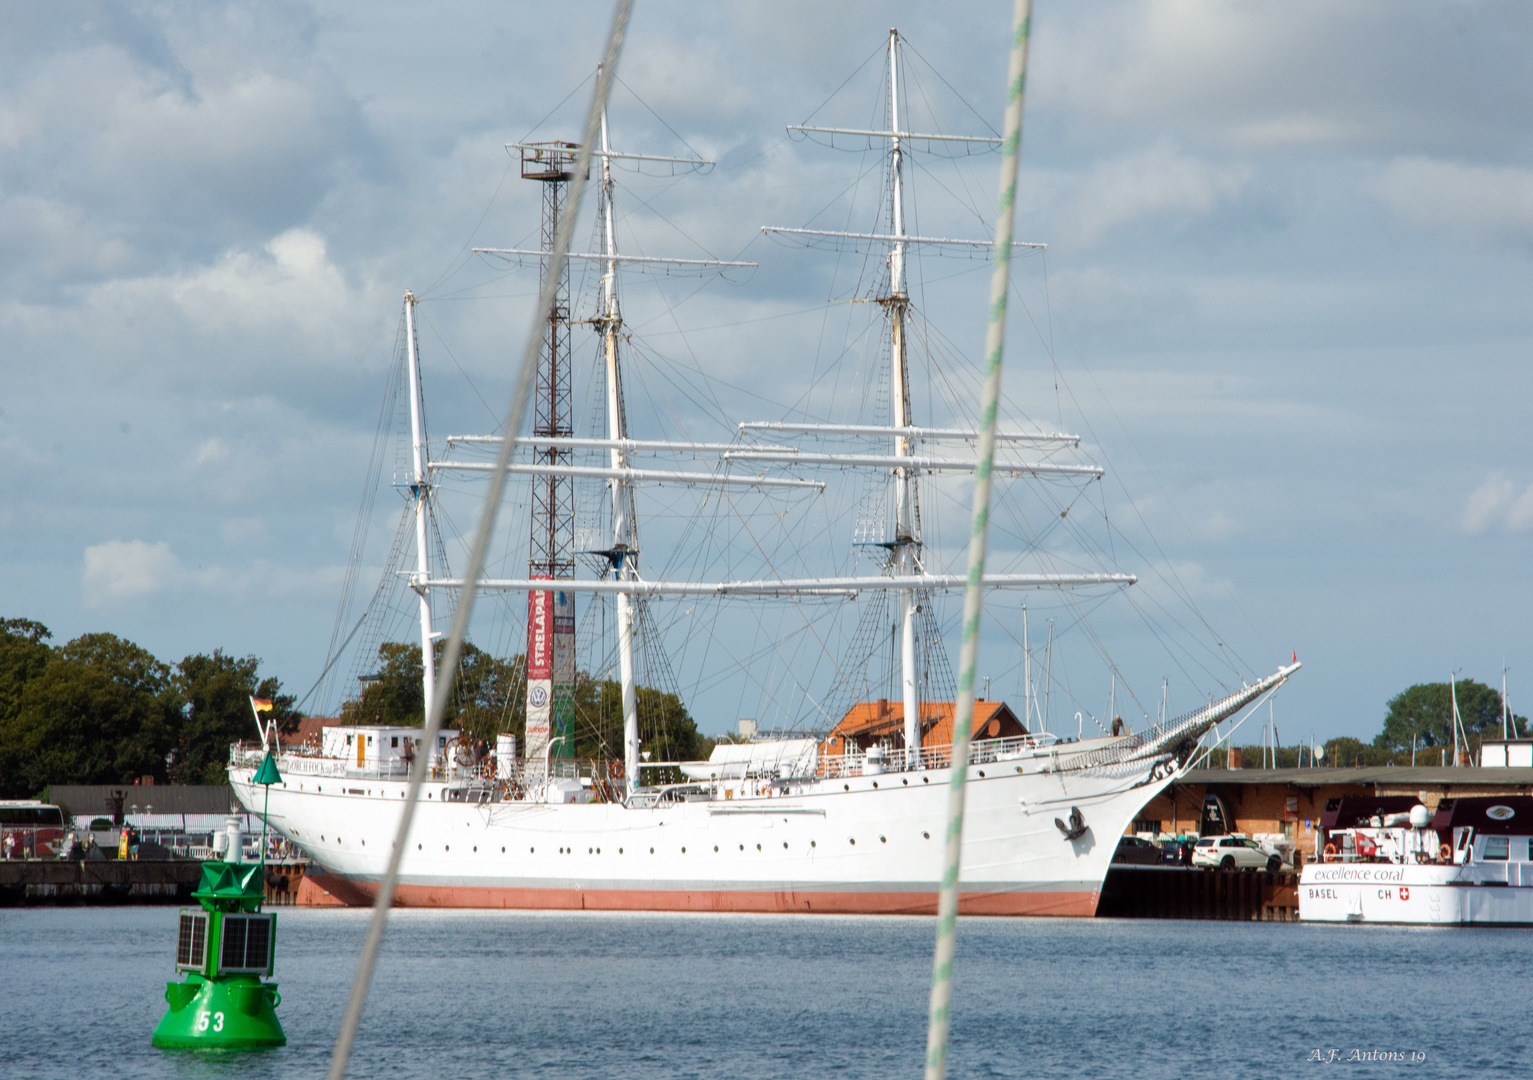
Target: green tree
point(102, 710)
point(1426, 711)
point(393, 695)
point(214, 696)
point(24, 654)
point(485, 700)
point(666, 729)
point(489, 697)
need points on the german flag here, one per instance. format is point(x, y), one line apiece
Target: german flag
point(260, 705)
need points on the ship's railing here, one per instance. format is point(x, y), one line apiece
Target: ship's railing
point(983, 751)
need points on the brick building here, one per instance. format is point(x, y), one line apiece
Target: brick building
point(1289, 802)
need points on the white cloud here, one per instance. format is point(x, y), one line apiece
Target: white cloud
point(209, 451)
point(1488, 202)
point(127, 569)
point(1155, 183)
point(1219, 526)
point(1497, 504)
point(124, 569)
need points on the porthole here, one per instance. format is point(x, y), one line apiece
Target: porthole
point(852, 840)
point(715, 847)
point(846, 787)
point(322, 836)
point(502, 851)
point(785, 845)
point(758, 847)
point(619, 851)
point(532, 851)
point(364, 843)
point(1019, 770)
point(590, 851)
point(651, 851)
point(926, 780)
point(905, 783)
point(875, 783)
point(926, 836)
point(598, 851)
point(982, 774)
point(417, 847)
point(446, 847)
point(742, 847)
point(883, 839)
point(683, 851)
point(811, 843)
point(476, 848)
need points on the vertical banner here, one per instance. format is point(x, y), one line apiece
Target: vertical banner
point(562, 690)
point(540, 665)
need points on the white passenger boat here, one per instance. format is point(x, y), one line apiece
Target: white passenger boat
point(783, 825)
point(1469, 863)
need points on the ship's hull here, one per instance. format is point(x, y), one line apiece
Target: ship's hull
point(1417, 894)
point(858, 845)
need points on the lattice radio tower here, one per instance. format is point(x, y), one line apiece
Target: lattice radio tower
point(550, 553)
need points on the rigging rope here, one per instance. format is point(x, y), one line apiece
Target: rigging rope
point(963, 711)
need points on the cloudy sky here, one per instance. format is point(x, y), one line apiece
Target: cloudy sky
point(1286, 296)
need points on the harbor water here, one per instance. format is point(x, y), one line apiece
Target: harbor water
point(502, 994)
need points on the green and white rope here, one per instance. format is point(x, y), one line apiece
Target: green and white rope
point(453, 647)
point(963, 718)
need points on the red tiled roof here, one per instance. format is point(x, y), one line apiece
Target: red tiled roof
point(870, 722)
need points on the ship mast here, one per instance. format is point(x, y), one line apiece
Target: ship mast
point(624, 554)
point(553, 455)
point(907, 529)
point(420, 490)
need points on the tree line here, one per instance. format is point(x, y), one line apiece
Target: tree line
point(103, 710)
point(489, 698)
point(1418, 722)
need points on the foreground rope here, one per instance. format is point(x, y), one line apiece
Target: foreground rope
point(963, 714)
point(448, 667)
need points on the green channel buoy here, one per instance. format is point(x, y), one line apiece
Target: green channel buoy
point(225, 948)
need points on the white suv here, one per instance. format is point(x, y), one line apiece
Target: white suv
point(1228, 852)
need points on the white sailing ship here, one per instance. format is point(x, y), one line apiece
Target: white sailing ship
point(771, 825)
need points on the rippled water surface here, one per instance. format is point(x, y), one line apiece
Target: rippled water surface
point(481, 994)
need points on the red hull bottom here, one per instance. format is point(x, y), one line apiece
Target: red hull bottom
point(1063, 904)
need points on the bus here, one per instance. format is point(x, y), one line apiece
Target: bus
point(30, 829)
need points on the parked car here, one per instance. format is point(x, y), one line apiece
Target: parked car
point(1229, 852)
point(1133, 849)
point(1176, 852)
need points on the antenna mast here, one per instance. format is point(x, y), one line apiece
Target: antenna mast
point(551, 613)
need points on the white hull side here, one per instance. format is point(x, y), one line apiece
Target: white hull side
point(1425, 894)
point(866, 844)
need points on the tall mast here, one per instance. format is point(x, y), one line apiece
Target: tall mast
point(907, 540)
point(420, 490)
point(556, 161)
point(624, 554)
